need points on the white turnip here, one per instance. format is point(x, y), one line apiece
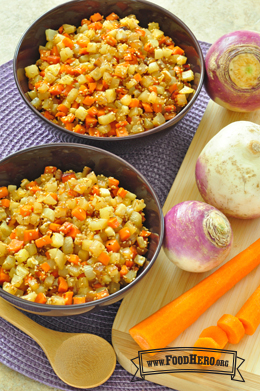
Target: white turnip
point(228, 170)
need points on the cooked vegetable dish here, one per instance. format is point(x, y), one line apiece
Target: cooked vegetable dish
point(70, 238)
point(109, 77)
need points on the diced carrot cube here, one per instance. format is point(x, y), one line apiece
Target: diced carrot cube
point(113, 245)
point(112, 16)
point(3, 192)
point(67, 176)
point(4, 277)
point(104, 258)
point(113, 222)
point(122, 192)
point(124, 270)
point(15, 245)
point(88, 101)
point(40, 298)
point(79, 213)
point(5, 202)
point(102, 294)
point(74, 259)
point(121, 132)
point(124, 234)
point(31, 234)
point(62, 285)
point(68, 297)
point(45, 266)
point(79, 300)
point(68, 42)
point(96, 17)
point(43, 241)
point(49, 169)
point(113, 182)
point(26, 210)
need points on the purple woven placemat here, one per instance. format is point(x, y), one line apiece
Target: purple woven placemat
point(157, 157)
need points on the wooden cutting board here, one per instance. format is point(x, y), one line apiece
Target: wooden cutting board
point(165, 282)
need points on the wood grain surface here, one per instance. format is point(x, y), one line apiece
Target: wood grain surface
point(165, 282)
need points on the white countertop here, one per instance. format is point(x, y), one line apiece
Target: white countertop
point(208, 20)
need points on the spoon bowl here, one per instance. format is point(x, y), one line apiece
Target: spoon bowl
point(80, 360)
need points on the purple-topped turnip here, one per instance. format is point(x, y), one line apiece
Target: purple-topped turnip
point(198, 237)
point(233, 71)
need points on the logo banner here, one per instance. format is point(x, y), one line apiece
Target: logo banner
point(187, 359)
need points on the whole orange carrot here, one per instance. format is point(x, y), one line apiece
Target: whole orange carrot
point(162, 327)
point(249, 314)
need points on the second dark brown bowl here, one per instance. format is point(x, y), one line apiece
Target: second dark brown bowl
point(29, 163)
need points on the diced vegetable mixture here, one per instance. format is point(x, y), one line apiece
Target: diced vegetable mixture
point(109, 77)
point(70, 238)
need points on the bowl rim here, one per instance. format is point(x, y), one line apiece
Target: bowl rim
point(100, 302)
point(157, 129)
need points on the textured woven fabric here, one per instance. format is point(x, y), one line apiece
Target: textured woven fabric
point(158, 157)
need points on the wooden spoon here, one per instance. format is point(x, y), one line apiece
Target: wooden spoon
point(80, 360)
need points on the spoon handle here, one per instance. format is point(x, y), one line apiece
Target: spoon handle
point(22, 322)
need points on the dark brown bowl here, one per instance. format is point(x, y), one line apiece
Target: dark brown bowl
point(29, 163)
point(73, 12)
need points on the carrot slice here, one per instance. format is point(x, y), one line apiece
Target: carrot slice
point(217, 334)
point(232, 327)
point(209, 343)
point(157, 330)
point(249, 314)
